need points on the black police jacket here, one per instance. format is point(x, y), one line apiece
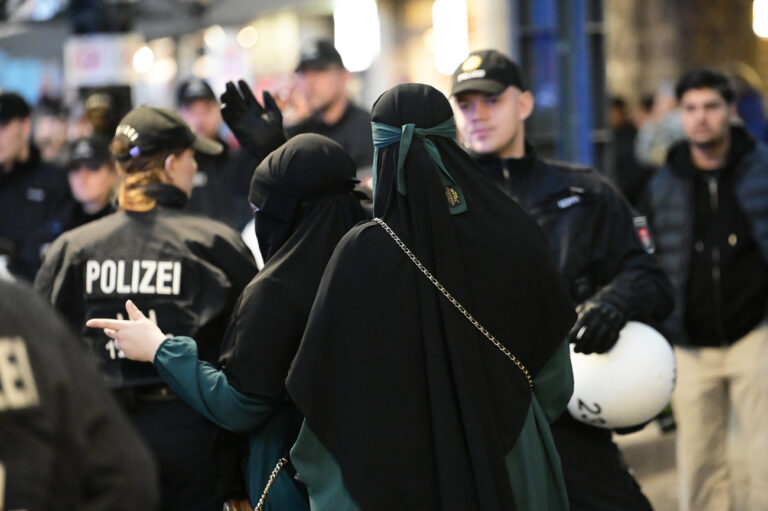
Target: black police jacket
point(352, 132)
point(593, 234)
point(64, 443)
point(221, 186)
point(182, 270)
point(34, 204)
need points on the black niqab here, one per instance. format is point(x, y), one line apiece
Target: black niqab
point(418, 407)
point(304, 192)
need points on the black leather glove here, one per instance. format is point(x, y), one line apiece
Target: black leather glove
point(258, 129)
point(597, 327)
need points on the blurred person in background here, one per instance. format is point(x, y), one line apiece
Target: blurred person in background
point(630, 177)
point(662, 128)
point(64, 443)
point(78, 124)
point(34, 195)
point(708, 208)
point(184, 269)
point(644, 110)
point(595, 238)
point(750, 104)
point(321, 104)
point(103, 111)
point(92, 180)
point(49, 130)
point(221, 182)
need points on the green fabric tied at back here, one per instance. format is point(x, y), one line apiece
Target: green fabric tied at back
point(385, 135)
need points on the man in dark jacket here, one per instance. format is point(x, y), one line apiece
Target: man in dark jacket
point(596, 242)
point(64, 443)
point(708, 208)
point(34, 195)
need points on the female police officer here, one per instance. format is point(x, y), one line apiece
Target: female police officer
point(185, 270)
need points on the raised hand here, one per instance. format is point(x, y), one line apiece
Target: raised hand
point(138, 337)
point(259, 129)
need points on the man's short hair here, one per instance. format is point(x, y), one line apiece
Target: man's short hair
point(706, 79)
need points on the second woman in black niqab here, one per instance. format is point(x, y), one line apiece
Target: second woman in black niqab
point(405, 401)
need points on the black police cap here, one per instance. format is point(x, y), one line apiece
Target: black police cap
point(192, 90)
point(12, 106)
point(486, 71)
point(149, 130)
point(321, 54)
point(93, 152)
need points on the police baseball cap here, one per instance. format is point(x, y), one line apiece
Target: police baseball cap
point(91, 152)
point(486, 71)
point(12, 106)
point(193, 90)
point(321, 54)
point(149, 130)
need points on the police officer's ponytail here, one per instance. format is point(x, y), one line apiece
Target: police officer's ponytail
point(138, 172)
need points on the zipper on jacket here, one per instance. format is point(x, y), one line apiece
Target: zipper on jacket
point(714, 203)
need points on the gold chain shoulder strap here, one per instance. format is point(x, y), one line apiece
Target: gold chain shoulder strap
point(455, 302)
point(270, 482)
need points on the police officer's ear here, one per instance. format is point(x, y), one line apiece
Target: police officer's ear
point(525, 103)
point(168, 165)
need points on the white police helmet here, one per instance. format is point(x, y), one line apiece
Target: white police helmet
point(628, 385)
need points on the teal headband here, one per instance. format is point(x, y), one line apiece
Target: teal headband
point(385, 135)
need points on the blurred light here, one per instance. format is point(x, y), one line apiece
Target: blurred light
point(214, 36)
point(247, 37)
point(163, 71)
point(201, 67)
point(356, 33)
point(143, 59)
point(760, 18)
point(451, 34)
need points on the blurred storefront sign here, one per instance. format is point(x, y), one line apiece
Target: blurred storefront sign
point(100, 59)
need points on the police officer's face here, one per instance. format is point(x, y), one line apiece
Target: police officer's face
point(493, 124)
point(182, 168)
point(706, 116)
point(203, 116)
point(323, 87)
point(13, 140)
point(92, 187)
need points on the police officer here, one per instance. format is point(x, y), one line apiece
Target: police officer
point(184, 269)
point(64, 444)
point(221, 183)
point(327, 108)
point(594, 239)
point(92, 178)
point(33, 194)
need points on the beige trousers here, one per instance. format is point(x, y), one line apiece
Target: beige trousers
point(709, 382)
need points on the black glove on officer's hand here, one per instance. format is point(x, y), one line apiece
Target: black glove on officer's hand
point(597, 327)
point(258, 129)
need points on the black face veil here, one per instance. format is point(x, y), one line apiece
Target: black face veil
point(304, 194)
point(412, 401)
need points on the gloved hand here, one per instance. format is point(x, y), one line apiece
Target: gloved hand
point(258, 129)
point(597, 327)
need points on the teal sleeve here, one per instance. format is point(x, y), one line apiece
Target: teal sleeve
point(206, 388)
point(553, 384)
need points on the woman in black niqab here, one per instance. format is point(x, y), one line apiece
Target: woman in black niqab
point(415, 405)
